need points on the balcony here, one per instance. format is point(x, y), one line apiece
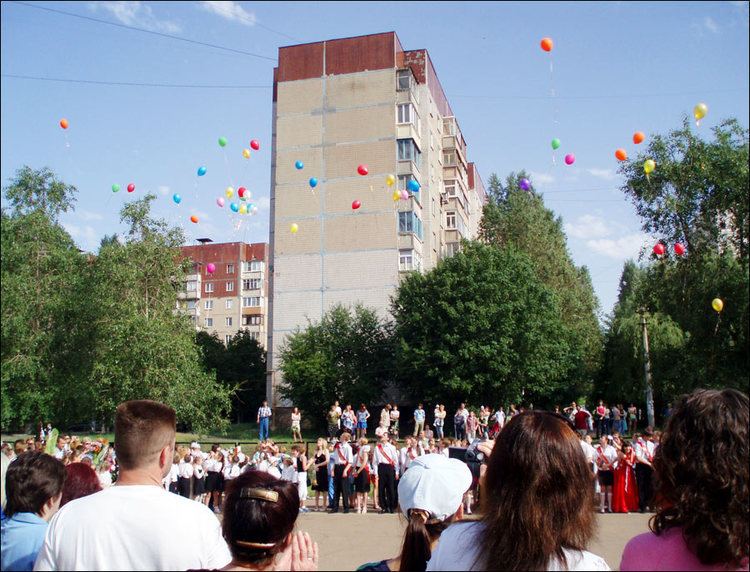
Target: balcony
point(408, 168)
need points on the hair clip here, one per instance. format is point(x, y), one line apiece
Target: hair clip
point(260, 494)
point(255, 544)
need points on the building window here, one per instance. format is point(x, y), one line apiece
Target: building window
point(450, 220)
point(449, 158)
point(405, 112)
point(228, 320)
point(230, 286)
point(452, 248)
point(408, 151)
point(449, 127)
point(228, 304)
point(251, 302)
point(408, 260)
point(255, 320)
point(403, 80)
point(251, 284)
point(450, 188)
point(209, 287)
point(410, 222)
point(209, 305)
point(227, 338)
point(191, 286)
point(208, 322)
point(191, 305)
point(254, 335)
point(252, 266)
point(230, 268)
point(434, 207)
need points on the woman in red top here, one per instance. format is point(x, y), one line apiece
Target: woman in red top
point(625, 493)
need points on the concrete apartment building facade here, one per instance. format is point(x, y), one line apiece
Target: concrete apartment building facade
point(338, 104)
point(235, 296)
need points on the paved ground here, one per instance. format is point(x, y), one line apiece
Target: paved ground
point(348, 540)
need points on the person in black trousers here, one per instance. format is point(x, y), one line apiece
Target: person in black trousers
point(386, 459)
point(343, 458)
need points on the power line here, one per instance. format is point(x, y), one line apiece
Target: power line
point(128, 83)
point(605, 96)
point(143, 30)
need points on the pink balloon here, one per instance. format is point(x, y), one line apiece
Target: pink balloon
point(210, 268)
point(220, 201)
point(405, 195)
point(570, 159)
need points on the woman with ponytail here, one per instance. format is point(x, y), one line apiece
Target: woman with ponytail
point(430, 495)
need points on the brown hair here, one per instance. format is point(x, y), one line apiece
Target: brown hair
point(538, 495)
point(418, 538)
point(32, 479)
point(701, 476)
point(142, 429)
point(256, 528)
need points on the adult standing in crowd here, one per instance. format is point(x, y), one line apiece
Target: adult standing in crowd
point(296, 425)
point(386, 460)
point(342, 464)
point(606, 462)
point(644, 450)
point(395, 417)
point(419, 415)
point(80, 481)
point(264, 421)
point(34, 485)
point(439, 420)
point(321, 473)
point(625, 490)
point(332, 421)
point(701, 469)
point(430, 496)
point(136, 524)
point(536, 515)
point(362, 416)
point(385, 417)
point(581, 420)
point(459, 424)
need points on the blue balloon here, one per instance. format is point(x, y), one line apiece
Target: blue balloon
point(201, 171)
point(413, 186)
point(313, 182)
point(235, 207)
point(299, 165)
point(177, 198)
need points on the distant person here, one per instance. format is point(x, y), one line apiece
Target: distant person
point(80, 481)
point(419, 415)
point(264, 421)
point(258, 525)
point(536, 509)
point(430, 495)
point(34, 484)
point(296, 425)
point(136, 524)
point(701, 471)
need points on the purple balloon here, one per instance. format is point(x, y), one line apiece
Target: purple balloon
point(524, 184)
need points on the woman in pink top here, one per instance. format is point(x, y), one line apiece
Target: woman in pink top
point(702, 483)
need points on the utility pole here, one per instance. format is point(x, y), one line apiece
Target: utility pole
point(647, 370)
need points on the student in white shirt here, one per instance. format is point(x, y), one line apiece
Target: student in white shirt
point(606, 462)
point(342, 465)
point(135, 524)
point(185, 470)
point(535, 514)
point(385, 458)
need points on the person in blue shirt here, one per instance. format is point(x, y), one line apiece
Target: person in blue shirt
point(418, 420)
point(33, 485)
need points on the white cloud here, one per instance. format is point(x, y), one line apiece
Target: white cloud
point(588, 227)
point(86, 237)
point(230, 11)
point(163, 190)
point(88, 215)
point(711, 25)
point(539, 179)
point(605, 174)
point(136, 14)
point(622, 248)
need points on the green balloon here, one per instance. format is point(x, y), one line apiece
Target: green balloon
point(222, 141)
point(555, 143)
point(115, 188)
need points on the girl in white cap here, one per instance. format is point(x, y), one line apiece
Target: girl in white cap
point(429, 496)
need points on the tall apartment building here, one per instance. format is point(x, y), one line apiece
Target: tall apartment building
point(338, 104)
point(235, 296)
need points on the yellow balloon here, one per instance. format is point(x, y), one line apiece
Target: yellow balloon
point(243, 208)
point(246, 153)
point(396, 195)
point(390, 180)
point(700, 111)
point(294, 228)
point(229, 192)
point(649, 166)
point(717, 304)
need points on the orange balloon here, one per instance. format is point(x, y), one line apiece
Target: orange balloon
point(621, 155)
point(547, 44)
point(638, 137)
point(194, 219)
point(64, 123)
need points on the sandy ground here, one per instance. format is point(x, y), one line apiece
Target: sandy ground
point(349, 540)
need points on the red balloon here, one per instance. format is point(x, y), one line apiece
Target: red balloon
point(241, 191)
point(659, 249)
point(255, 144)
point(679, 248)
point(362, 170)
point(131, 187)
point(356, 205)
point(64, 123)
point(547, 44)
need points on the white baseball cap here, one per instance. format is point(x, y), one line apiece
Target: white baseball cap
point(434, 483)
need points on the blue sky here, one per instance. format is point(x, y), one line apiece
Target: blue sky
point(618, 67)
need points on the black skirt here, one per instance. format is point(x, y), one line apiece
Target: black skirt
point(213, 481)
point(362, 482)
point(606, 478)
point(183, 484)
point(199, 485)
point(321, 479)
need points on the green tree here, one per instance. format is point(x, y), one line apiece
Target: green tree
point(245, 371)
point(39, 270)
point(480, 326)
point(346, 356)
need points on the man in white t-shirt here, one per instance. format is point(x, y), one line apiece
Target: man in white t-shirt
point(136, 524)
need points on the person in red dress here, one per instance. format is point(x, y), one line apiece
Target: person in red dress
point(625, 497)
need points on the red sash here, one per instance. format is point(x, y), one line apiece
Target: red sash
point(602, 456)
point(346, 465)
point(380, 448)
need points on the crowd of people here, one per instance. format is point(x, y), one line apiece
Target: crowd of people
point(535, 482)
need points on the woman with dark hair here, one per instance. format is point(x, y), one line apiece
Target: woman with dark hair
point(625, 489)
point(259, 516)
point(81, 481)
point(701, 492)
point(536, 506)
